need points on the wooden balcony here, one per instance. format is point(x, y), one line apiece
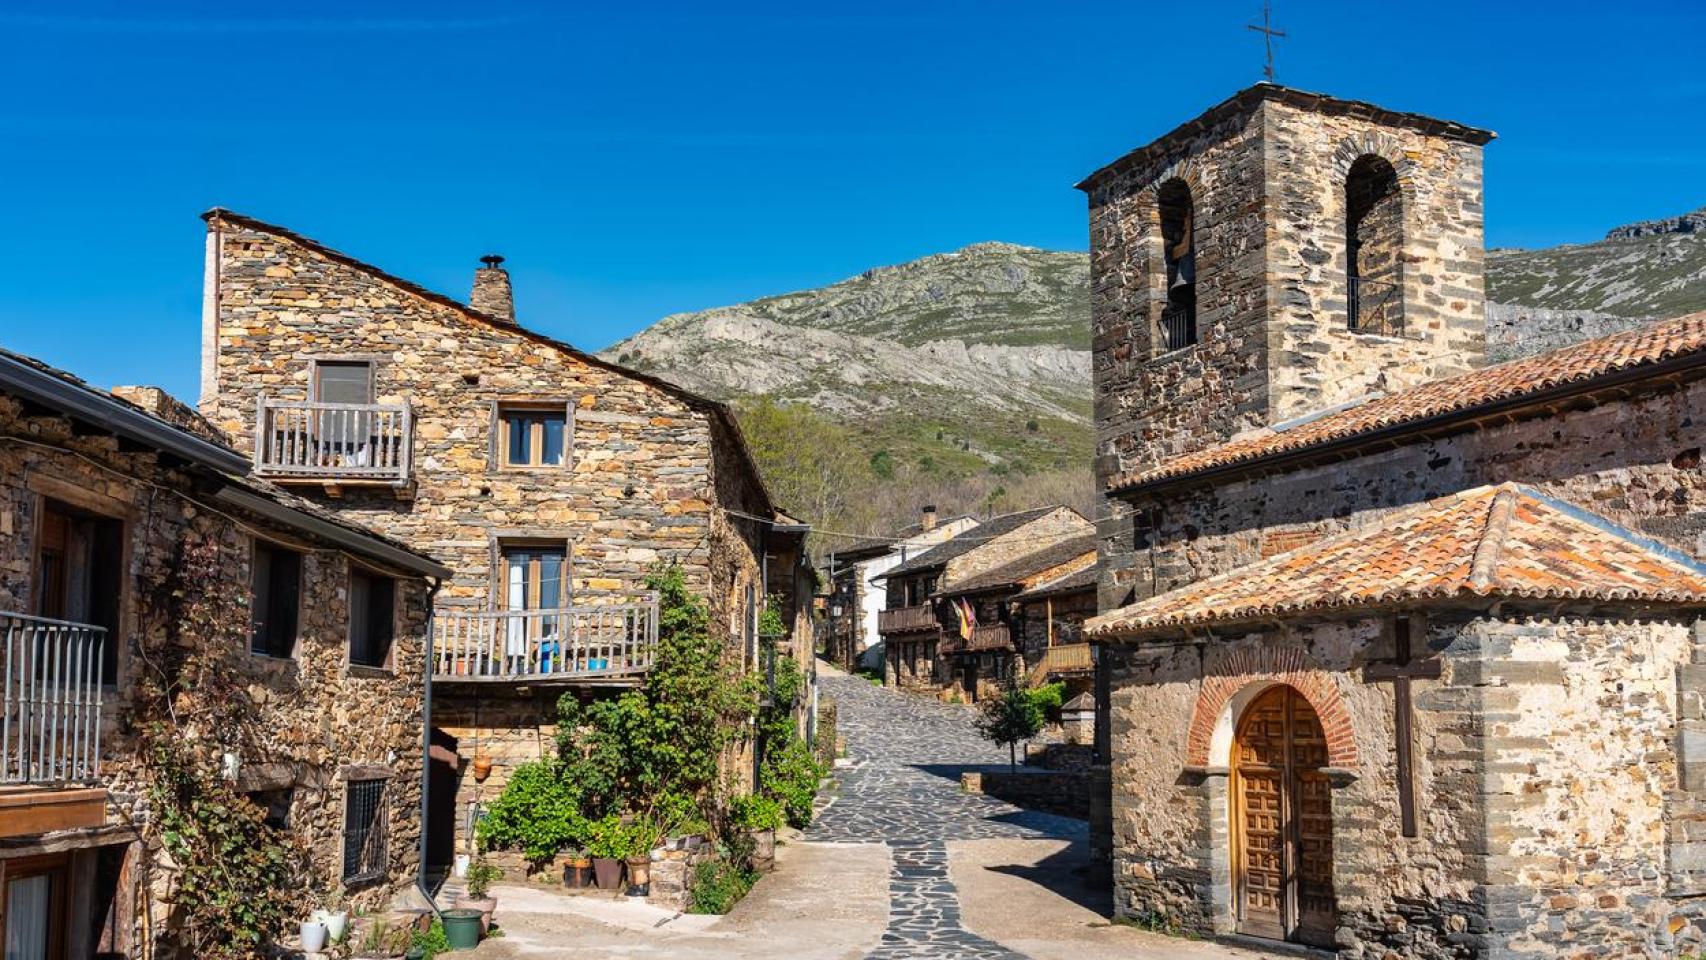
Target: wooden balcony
point(610, 642)
point(919, 619)
point(1066, 660)
point(301, 441)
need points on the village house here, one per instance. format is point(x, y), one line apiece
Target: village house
point(919, 618)
point(1404, 650)
point(852, 638)
point(154, 599)
point(991, 655)
point(550, 481)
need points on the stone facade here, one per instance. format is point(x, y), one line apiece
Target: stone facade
point(1266, 173)
point(1556, 812)
point(650, 475)
point(316, 721)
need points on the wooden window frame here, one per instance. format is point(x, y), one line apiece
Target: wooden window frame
point(56, 866)
point(255, 544)
point(501, 548)
point(315, 363)
point(500, 429)
point(388, 662)
point(101, 510)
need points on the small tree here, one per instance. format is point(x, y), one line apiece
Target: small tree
point(1012, 717)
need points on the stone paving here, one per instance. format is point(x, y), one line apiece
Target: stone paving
point(902, 788)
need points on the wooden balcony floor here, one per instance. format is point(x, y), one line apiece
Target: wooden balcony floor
point(31, 809)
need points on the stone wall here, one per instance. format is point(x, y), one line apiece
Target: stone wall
point(1267, 182)
point(1063, 792)
point(315, 720)
point(1632, 461)
point(1517, 855)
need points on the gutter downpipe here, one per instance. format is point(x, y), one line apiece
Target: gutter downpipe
point(426, 750)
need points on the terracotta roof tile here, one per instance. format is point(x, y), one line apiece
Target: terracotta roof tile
point(1578, 363)
point(1505, 541)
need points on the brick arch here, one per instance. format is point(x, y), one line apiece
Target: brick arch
point(1373, 143)
point(1186, 169)
point(1268, 665)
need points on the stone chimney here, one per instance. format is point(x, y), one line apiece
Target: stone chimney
point(927, 517)
point(491, 294)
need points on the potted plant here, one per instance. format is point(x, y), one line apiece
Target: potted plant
point(606, 843)
point(577, 871)
point(479, 881)
point(482, 767)
point(640, 837)
point(382, 940)
point(759, 815)
point(334, 918)
point(312, 934)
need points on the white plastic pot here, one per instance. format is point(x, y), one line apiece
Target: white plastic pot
point(334, 924)
point(313, 936)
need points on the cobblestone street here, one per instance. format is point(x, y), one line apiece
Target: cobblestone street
point(899, 865)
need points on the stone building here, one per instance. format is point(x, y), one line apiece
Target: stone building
point(853, 640)
point(550, 481)
point(1403, 650)
point(921, 614)
point(312, 630)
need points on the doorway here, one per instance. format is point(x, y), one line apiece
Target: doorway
point(442, 779)
point(1282, 836)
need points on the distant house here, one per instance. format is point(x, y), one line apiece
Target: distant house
point(916, 618)
point(853, 638)
point(993, 649)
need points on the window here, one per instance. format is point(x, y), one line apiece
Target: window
point(79, 573)
point(276, 582)
point(533, 436)
point(364, 831)
point(1179, 253)
point(1374, 240)
point(33, 908)
point(343, 381)
point(535, 578)
point(372, 618)
point(274, 806)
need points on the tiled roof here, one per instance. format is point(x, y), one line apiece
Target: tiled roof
point(1504, 541)
point(1049, 556)
point(939, 555)
point(1467, 394)
point(1075, 582)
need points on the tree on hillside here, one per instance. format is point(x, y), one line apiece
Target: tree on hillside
point(812, 465)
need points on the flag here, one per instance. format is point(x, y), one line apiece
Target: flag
point(968, 618)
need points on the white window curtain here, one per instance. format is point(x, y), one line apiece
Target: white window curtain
point(27, 912)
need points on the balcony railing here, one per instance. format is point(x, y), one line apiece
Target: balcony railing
point(50, 730)
point(297, 439)
point(589, 641)
point(917, 619)
point(1375, 306)
point(1065, 660)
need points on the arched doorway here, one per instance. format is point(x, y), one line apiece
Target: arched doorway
point(1282, 821)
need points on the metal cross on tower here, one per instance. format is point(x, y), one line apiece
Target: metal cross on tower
point(1268, 34)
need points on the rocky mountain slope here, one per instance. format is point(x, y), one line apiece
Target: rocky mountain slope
point(978, 360)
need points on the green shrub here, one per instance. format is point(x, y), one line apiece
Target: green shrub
point(1049, 698)
point(756, 812)
point(791, 775)
point(479, 878)
point(718, 885)
point(1009, 718)
point(432, 941)
point(538, 813)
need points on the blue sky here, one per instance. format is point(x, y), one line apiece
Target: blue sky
point(638, 159)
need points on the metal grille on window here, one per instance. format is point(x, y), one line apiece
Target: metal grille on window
point(364, 831)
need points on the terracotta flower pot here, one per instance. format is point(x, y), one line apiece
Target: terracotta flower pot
point(482, 768)
point(577, 873)
point(639, 875)
point(608, 870)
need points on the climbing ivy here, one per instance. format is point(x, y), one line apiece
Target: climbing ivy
point(234, 882)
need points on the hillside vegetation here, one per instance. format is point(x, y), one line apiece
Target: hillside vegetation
point(963, 379)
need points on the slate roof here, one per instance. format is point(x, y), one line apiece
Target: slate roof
point(1653, 349)
point(866, 548)
point(1076, 582)
point(1017, 572)
point(1505, 541)
point(939, 555)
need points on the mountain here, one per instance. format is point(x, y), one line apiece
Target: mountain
point(975, 364)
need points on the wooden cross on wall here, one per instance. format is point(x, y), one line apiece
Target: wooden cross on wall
point(1401, 670)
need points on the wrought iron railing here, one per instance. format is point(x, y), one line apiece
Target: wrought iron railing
point(1178, 327)
point(1375, 306)
point(1066, 659)
point(50, 727)
point(332, 441)
point(907, 619)
point(611, 638)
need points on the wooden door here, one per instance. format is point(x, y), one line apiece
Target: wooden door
point(1283, 824)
